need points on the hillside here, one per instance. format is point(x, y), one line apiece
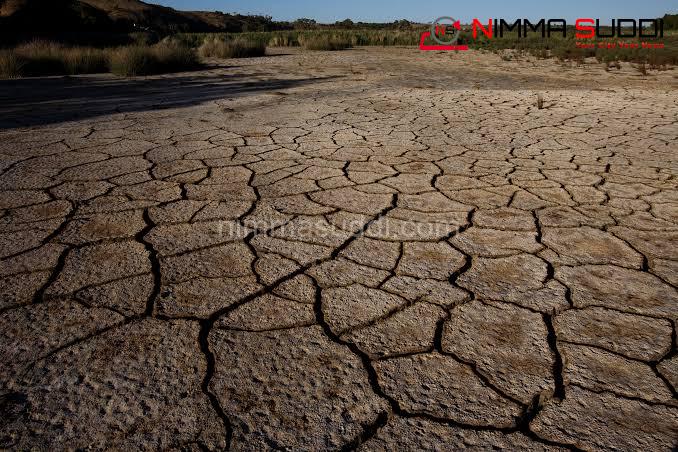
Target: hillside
point(118, 15)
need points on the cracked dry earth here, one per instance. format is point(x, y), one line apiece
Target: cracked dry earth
point(329, 251)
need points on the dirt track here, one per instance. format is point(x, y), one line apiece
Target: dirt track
point(375, 248)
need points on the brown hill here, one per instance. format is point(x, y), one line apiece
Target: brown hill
point(118, 15)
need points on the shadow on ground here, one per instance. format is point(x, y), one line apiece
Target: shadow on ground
point(48, 100)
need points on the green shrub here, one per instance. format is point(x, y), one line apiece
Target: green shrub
point(235, 48)
point(146, 60)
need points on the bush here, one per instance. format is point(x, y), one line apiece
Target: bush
point(325, 42)
point(146, 60)
point(236, 48)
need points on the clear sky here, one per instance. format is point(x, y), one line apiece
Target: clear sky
point(428, 10)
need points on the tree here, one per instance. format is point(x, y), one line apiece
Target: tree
point(305, 24)
point(346, 23)
point(402, 24)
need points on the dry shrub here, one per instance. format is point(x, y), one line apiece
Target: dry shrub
point(236, 48)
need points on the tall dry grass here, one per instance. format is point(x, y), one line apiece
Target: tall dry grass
point(554, 47)
point(41, 58)
point(214, 47)
point(326, 42)
point(293, 38)
point(157, 59)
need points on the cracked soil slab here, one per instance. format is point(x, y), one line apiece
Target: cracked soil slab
point(319, 251)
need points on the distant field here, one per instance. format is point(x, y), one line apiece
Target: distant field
point(557, 47)
point(180, 51)
point(293, 38)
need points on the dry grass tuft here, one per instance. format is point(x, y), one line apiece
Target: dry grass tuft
point(42, 58)
point(325, 42)
point(236, 48)
point(540, 101)
point(146, 60)
point(283, 40)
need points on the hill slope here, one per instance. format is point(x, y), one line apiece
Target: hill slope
point(117, 15)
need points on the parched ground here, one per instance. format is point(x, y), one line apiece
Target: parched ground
point(378, 249)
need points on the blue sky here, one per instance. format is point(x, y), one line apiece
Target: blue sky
point(428, 10)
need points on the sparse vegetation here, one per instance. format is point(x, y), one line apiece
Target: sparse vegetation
point(214, 47)
point(564, 49)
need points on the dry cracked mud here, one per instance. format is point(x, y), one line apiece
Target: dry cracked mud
point(374, 249)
